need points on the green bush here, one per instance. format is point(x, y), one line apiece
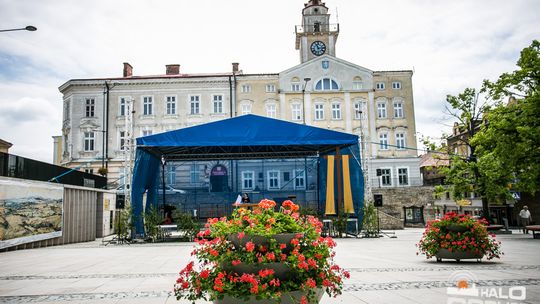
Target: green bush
point(152, 219)
point(370, 223)
point(186, 224)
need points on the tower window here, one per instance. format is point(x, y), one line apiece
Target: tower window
point(326, 84)
point(317, 26)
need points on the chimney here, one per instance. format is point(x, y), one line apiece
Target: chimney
point(235, 67)
point(128, 70)
point(172, 69)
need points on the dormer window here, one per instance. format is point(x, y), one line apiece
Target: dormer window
point(326, 84)
point(357, 83)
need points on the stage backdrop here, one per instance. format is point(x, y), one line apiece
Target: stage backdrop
point(29, 211)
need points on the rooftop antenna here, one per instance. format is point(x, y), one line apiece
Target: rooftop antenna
point(337, 16)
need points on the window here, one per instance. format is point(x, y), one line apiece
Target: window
point(122, 105)
point(122, 140)
point(336, 111)
point(360, 110)
point(326, 84)
point(403, 176)
point(246, 88)
point(295, 87)
point(195, 104)
point(398, 109)
point(381, 110)
point(171, 105)
point(383, 141)
point(396, 85)
point(146, 132)
point(386, 177)
point(447, 195)
point(400, 141)
point(90, 107)
point(247, 180)
point(218, 104)
point(171, 175)
point(319, 111)
point(296, 111)
point(89, 139)
point(194, 174)
point(270, 88)
point(300, 179)
point(271, 110)
point(357, 83)
point(91, 171)
point(147, 105)
point(246, 108)
point(273, 179)
point(379, 86)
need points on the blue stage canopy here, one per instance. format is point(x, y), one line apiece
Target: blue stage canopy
point(243, 137)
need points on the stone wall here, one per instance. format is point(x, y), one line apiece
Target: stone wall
point(391, 215)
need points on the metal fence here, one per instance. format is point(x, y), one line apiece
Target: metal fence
point(25, 168)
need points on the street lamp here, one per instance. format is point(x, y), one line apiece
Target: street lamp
point(163, 162)
point(29, 28)
point(303, 99)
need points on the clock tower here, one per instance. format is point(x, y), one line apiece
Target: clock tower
point(316, 36)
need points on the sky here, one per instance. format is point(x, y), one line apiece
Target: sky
point(450, 45)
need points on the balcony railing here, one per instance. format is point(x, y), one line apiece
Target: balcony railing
point(317, 28)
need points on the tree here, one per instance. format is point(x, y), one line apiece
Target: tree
point(503, 137)
point(464, 174)
point(511, 136)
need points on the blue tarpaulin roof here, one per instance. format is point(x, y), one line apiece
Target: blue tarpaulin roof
point(245, 137)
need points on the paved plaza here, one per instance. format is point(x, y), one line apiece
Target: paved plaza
point(384, 270)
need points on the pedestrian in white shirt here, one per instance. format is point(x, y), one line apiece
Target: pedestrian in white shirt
point(525, 218)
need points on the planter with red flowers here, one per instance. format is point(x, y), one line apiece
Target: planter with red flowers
point(262, 256)
point(458, 237)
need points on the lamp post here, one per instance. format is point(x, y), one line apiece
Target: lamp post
point(163, 162)
point(29, 28)
point(304, 99)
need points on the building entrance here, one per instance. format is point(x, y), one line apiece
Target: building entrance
point(219, 179)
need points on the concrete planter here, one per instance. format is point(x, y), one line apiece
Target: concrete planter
point(281, 270)
point(257, 240)
point(291, 297)
point(281, 238)
point(457, 228)
point(457, 255)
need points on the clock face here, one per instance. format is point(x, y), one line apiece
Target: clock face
point(318, 48)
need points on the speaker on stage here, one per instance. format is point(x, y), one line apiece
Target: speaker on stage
point(377, 200)
point(120, 201)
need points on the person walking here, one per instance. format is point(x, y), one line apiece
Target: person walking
point(525, 218)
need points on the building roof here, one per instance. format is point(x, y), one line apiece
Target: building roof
point(431, 159)
point(5, 143)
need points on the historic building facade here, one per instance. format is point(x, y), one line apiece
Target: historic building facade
point(102, 116)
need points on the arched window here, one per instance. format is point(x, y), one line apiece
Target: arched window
point(357, 83)
point(326, 84)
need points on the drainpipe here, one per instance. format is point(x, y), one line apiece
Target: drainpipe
point(106, 118)
point(230, 96)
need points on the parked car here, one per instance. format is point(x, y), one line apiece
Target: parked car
point(168, 190)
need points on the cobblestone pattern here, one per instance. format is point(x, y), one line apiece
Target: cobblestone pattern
point(79, 297)
point(82, 297)
point(453, 268)
point(436, 284)
point(162, 275)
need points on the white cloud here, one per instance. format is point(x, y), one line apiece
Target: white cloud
point(449, 44)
